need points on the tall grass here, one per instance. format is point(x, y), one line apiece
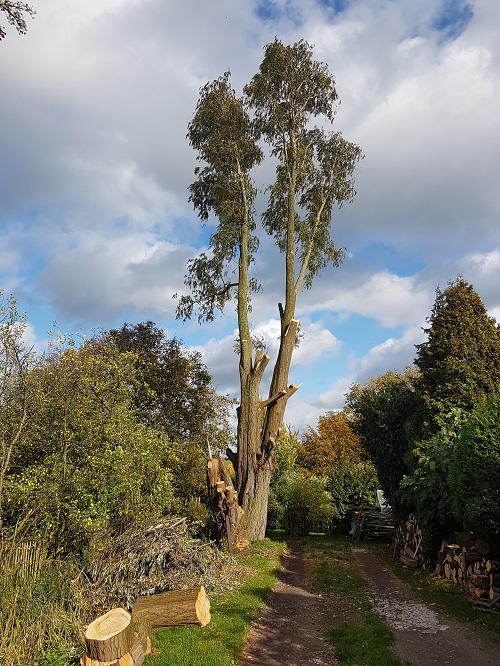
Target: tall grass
point(38, 617)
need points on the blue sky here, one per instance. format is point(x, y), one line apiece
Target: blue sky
point(95, 223)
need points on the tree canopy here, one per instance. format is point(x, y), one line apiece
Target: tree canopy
point(460, 361)
point(174, 391)
point(382, 408)
point(16, 13)
point(275, 116)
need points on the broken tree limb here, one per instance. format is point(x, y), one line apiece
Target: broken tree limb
point(288, 392)
point(173, 609)
point(109, 637)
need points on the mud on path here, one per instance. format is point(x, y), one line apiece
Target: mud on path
point(292, 626)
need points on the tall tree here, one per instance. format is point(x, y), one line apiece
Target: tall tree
point(15, 387)
point(16, 13)
point(332, 443)
point(382, 409)
point(174, 392)
point(460, 361)
point(314, 173)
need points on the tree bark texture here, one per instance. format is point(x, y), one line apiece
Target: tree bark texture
point(259, 430)
point(173, 609)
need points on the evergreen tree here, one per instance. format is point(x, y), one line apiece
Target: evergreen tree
point(460, 362)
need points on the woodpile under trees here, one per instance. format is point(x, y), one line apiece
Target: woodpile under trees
point(372, 524)
point(465, 564)
point(407, 543)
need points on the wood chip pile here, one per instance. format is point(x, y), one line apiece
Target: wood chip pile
point(466, 564)
point(369, 523)
point(158, 558)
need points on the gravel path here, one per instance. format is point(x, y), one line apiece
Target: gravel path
point(292, 626)
point(423, 637)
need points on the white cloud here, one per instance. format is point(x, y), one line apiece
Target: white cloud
point(95, 166)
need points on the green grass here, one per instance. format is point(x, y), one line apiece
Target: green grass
point(222, 640)
point(364, 640)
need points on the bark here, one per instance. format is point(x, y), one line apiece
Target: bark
point(256, 442)
point(109, 637)
point(173, 609)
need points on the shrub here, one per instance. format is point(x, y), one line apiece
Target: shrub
point(474, 476)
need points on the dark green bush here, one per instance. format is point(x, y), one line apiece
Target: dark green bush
point(474, 476)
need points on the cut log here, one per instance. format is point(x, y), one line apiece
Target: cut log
point(109, 637)
point(126, 660)
point(172, 609)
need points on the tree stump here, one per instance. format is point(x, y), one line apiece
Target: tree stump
point(171, 609)
point(108, 639)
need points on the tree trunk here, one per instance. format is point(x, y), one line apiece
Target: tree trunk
point(109, 637)
point(173, 609)
point(259, 430)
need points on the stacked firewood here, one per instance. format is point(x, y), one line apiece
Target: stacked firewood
point(466, 565)
point(407, 543)
point(372, 524)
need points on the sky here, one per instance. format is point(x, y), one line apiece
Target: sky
point(95, 222)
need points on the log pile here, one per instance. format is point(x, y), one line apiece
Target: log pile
point(407, 543)
point(465, 564)
point(120, 638)
point(371, 524)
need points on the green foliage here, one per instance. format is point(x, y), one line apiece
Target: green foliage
point(85, 461)
point(460, 362)
point(474, 474)
point(351, 485)
point(382, 409)
point(297, 502)
point(428, 491)
point(307, 504)
point(172, 388)
point(15, 385)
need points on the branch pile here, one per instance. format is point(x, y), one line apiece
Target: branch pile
point(372, 524)
point(465, 564)
point(164, 556)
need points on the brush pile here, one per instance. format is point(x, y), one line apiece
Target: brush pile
point(157, 558)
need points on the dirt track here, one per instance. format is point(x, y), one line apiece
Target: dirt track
point(292, 626)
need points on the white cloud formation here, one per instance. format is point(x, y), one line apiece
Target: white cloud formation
point(94, 166)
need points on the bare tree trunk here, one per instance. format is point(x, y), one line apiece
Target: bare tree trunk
point(259, 431)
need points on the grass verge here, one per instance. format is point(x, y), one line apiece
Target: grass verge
point(222, 640)
point(363, 639)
